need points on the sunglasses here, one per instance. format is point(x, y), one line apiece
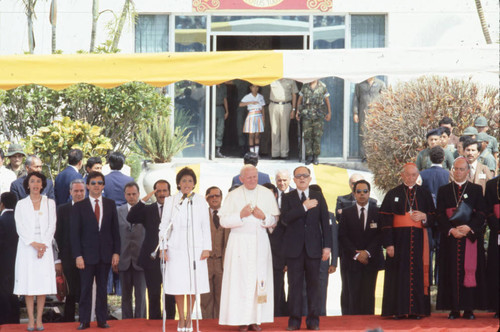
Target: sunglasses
point(97, 182)
point(213, 196)
point(303, 176)
point(364, 191)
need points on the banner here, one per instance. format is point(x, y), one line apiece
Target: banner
point(285, 5)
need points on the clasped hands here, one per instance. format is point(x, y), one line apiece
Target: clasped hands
point(249, 210)
point(460, 231)
point(362, 257)
point(418, 216)
point(40, 248)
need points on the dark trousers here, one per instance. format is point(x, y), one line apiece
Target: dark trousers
point(344, 293)
point(133, 281)
point(73, 279)
point(280, 305)
point(298, 268)
point(100, 273)
point(153, 283)
point(9, 305)
point(361, 289)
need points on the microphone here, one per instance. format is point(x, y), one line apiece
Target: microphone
point(182, 199)
point(190, 198)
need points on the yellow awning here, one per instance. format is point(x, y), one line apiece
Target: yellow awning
point(158, 69)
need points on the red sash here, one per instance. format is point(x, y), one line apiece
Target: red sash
point(496, 209)
point(406, 221)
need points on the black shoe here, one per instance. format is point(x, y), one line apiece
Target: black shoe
point(495, 315)
point(218, 154)
point(103, 325)
point(313, 327)
point(315, 160)
point(454, 315)
point(468, 315)
point(293, 328)
point(398, 317)
point(275, 158)
point(309, 160)
point(417, 317)
point(83, 326)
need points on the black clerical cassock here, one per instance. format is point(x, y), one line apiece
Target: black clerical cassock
point(492, 198)
point(461, 261)
point(406, 284)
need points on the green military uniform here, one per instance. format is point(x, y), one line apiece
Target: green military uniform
point(220, 111)
point(486, 158)
point(312, 114)
point(492, 144)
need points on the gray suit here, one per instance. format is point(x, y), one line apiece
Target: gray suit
point(131, 274)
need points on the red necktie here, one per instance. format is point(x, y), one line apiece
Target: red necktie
point(97, 211)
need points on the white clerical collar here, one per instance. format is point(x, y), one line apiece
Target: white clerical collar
point(461, 183)
point(436, 165)
point(409, 187)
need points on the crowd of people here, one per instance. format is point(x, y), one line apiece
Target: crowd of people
point(235, 252)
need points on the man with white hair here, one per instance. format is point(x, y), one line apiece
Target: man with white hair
point(405, 213)
point(283, 179)
point(247, 283)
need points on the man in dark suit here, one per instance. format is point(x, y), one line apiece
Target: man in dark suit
point(95, 243)
point(63, 239)
point(435, 176)
point(9, 303)
point(131, 274)
point(276, 239)
point(306, 242)
point(68, 174)
point(150, 217)
point(360, 238)
point(343, 202)
point(32, 164)
point(251, 158)
point(116, 180)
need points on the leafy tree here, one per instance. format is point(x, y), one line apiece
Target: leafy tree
point(52, 143)
point(396, 125)
point(121, 111)
point(27, 108)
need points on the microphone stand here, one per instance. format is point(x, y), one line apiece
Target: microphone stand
point(163, 267)
point(190, 202)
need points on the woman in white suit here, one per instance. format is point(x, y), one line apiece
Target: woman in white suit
point(35, 274)
point(185, 241)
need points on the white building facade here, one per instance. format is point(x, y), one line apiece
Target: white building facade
point(211, 26)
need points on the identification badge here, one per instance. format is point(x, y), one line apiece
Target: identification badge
point(482, 176)
point(373, 225)
point(396, 199)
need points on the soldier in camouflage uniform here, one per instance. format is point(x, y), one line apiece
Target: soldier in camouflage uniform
point(313, 108)
point(221, 114)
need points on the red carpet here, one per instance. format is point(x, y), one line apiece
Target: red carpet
point(437, 322)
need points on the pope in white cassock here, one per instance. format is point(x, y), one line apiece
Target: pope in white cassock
point(247, 283)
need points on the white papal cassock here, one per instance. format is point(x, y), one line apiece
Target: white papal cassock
point(247, 282)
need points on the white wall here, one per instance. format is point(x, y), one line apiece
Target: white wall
point(423, 23)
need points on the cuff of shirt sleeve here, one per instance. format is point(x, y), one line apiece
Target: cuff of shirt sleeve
point(305, 208)
point(57, 261)
point(356, 256)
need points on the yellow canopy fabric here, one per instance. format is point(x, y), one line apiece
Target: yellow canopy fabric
point(158, 69)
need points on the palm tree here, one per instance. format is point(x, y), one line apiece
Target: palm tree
point(128, 9)
point(484, 26)
point(95, 17)
point(53, 22)
point(29, 8)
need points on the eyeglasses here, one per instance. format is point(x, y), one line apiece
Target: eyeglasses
point(303, 176)
point(97, 182)
point(213, 196)
point(364, 191)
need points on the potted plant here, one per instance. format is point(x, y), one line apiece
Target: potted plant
point(157, 143)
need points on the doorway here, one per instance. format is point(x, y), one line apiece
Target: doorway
point(235, 142)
